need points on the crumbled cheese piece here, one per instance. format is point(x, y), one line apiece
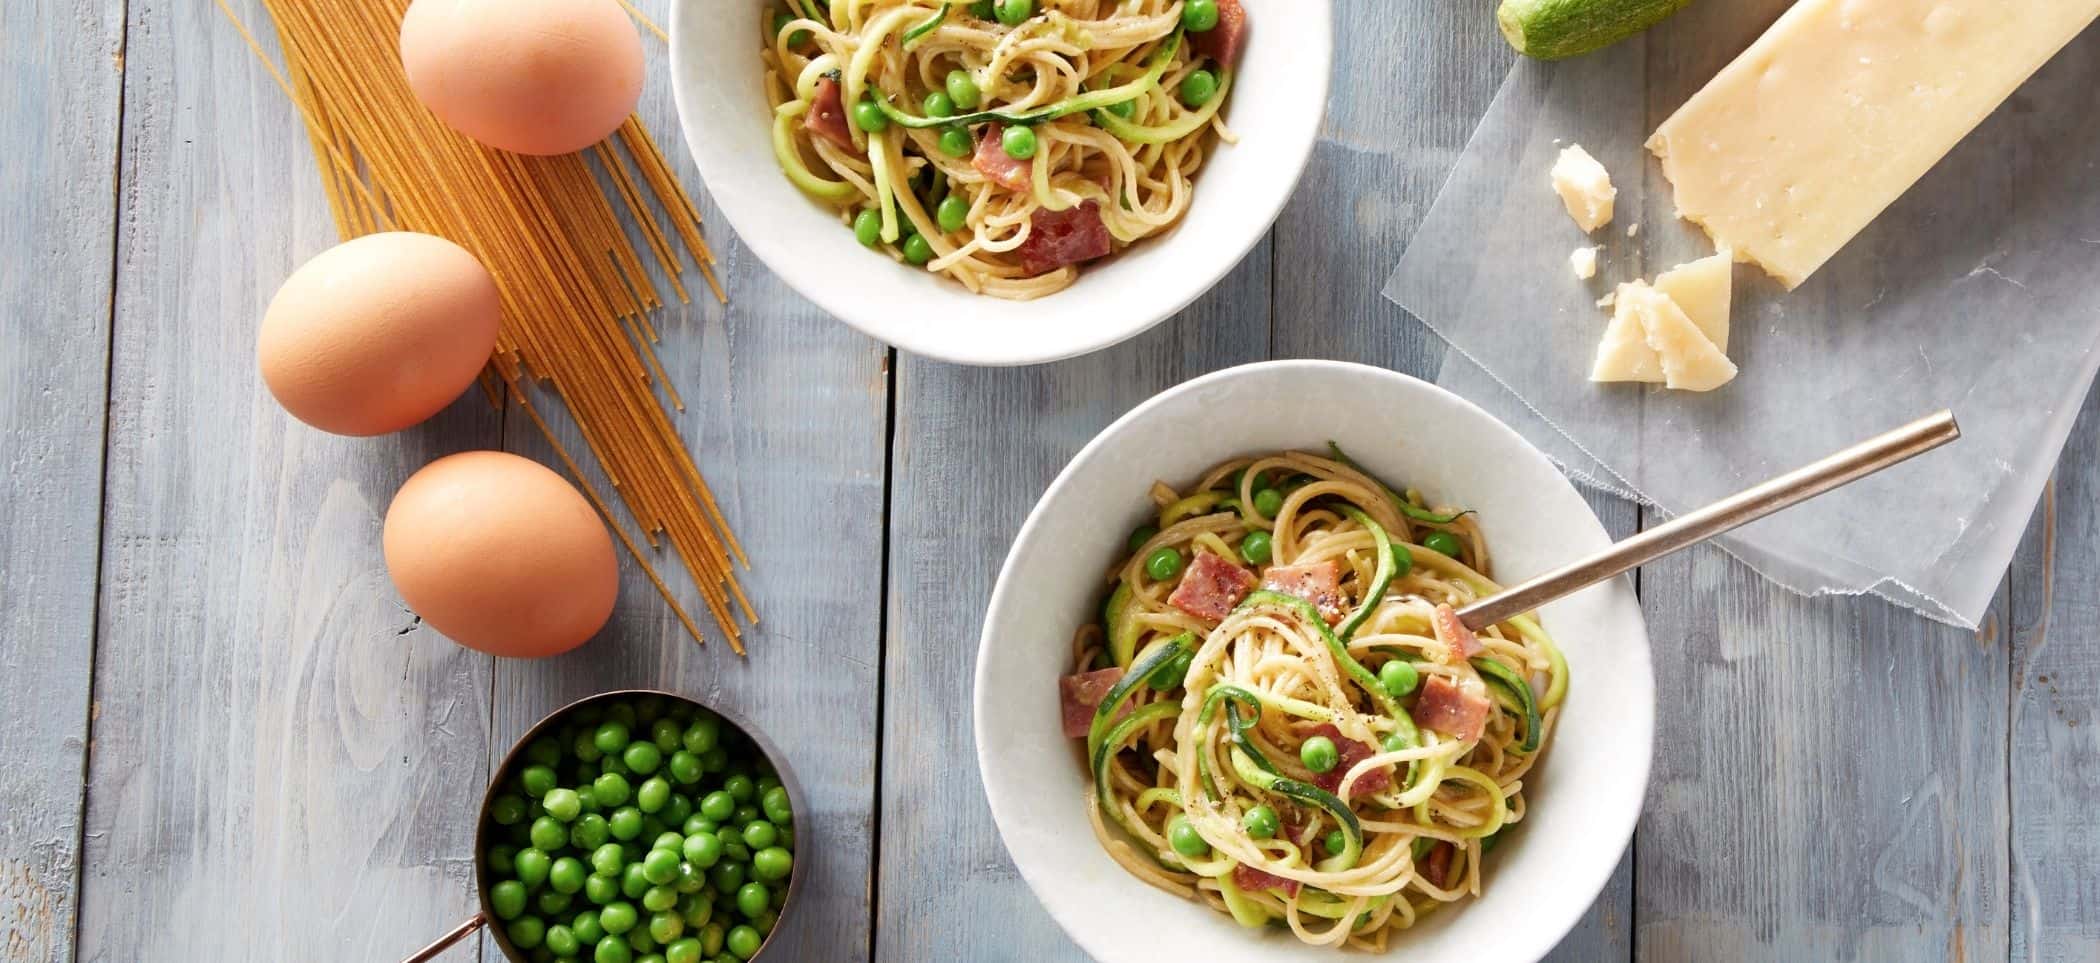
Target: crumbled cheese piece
point(1610, 298)
point(1633, 229)
point(1584, 186)
point(1702, 288)
point(1583, 261)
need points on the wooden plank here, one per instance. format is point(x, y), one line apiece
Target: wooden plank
point(963, 479)
point(2055, 728)
point(59, 108)
point(273, 746)
point(787, 414)
point(1377, 171)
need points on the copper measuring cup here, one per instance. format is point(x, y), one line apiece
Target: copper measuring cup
point(553, 720)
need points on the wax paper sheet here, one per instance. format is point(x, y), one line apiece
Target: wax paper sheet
point(1978, 290)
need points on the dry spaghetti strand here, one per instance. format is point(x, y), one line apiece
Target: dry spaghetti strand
point(574, 288)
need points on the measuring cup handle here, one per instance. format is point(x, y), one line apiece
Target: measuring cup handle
point(458, 933)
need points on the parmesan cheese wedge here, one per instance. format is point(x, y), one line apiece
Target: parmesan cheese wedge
point(1623, 354)
point(1702, 288)
point(1584, 187)
point(1804, 139)
point(1651, 337)
point(1689, 361)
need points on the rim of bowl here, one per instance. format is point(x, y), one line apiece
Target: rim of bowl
point(549, 721)
point(742, 213)
point(1590, 882)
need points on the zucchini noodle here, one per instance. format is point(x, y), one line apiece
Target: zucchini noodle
point(1209, 719)
point(1095, 85)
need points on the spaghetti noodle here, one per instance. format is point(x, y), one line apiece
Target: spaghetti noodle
point(575, 291)
point(1323, 746)
point(995, 144)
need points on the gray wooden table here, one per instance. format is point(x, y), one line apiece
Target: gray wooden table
point(223, 739)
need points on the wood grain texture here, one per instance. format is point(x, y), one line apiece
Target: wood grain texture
point(278, 771)
point(786, 415)
point(2056, 713)
point(59, 109)
point(974, 448)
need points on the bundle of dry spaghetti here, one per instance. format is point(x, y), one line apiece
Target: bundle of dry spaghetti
point(574, 288)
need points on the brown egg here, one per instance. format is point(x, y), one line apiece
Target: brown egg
point(376, 334)
point(529, 76)
point(501, 554)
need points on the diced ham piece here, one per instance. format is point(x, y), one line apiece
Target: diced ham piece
point(1319, 583)
point(1454, 634)
point(1350, 752)
point(1058, 238)
point(1080, 694)
point(1252, 880)
point(827, 116)
point(1211, 587)
point(1436, 864)
point(1222, 42)
point(1448, 708)
point(994, 162)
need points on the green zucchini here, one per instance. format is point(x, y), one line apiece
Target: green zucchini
point(1380, 580)
point(1556, 29)
point(1103, 753)
point(912, 35)
point(1105, 712)
point(1122, 629)
point(1407, 508)
point(1503, 678)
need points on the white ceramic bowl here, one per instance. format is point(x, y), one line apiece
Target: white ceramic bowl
point(1584, 797)
point(1276, 108)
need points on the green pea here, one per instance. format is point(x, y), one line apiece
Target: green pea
point(652, 827)
point(507, 810)
point(1319, 754)
point(917, 250)
point(618, 918)
point(1403, 560)
point(611, 790)
point(691, 879)
point(697, 909)
point(659, 899)
point(1399, 677)
point(677, 810)
point(726, 877)
point(601, 889)
point(787, 836)
point(554, 902)
point(625, 823)
point(643, 757)
point(526, 932)
point(744, 814)
point(869, 117)
point(751, 899)
point(548, 833)
point(702, 734)
point(703, 851)
point(1140, 535)
point(608, 860)
point(1164, 563)
point(1257, 548)
point(962, 89)
point(743, 942)
point(697, 824)
point(664, 734)
point(684, 767)
point(623, 713)
point(639, 940)
point(952, 214)
point(759, 834)
point(653, 795)
point(537, 780)
point(772, 864)
point(1125, 109)
point(613, 765)
point(718, 806)
point(567, 874)
point(776, 805)
point(1335, 843)
point(1169, 675)
point(796, 39)
point(612, 949)
point(1394, 742)
point(982, 10)
point(503, 859)
point(1197, 16)
point(1443, 543)
point(956, 142)
point(660, 866)
point(1185, 839)
point(1013, 12)
point(634, 880)
point(763, 922)
point(711, 938)
point(561, 941)
point(683, 951)
point(563, 805)
point(612, 737)
point(1268, 502)
point(715, 760)
point(666, 926)
point(939, 104)
point(867, 228)
point(1198, 87)
point(533, 865)
point(585, 747)
point(586, 927)
point(1018, 142)
point(507, 898)
point(1260, 822)
point(669, 840)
